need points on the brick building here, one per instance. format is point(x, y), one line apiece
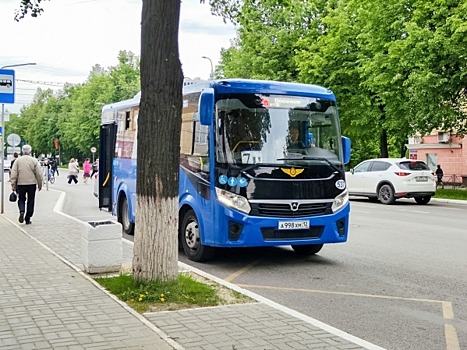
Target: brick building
point(444, 148)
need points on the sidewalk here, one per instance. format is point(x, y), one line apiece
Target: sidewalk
point(47, 302)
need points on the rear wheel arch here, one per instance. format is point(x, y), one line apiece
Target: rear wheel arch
point(390, 196)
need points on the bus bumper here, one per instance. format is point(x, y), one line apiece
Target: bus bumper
point(251, 231)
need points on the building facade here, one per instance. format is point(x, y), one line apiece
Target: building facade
point(444, 148)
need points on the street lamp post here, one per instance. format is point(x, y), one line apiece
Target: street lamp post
point(2, 177)
point(211, 76)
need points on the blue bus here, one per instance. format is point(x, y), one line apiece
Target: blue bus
point(261, 164)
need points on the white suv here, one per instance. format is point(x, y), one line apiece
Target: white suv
point(387, 179)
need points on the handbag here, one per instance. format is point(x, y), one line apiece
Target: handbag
point(13, 197)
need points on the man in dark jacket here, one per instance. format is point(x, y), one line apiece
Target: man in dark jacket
point(439, 176)
point(15, 155)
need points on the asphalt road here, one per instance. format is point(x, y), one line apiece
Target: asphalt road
point(399, 282)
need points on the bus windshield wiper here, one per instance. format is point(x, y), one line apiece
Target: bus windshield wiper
point(313, 158)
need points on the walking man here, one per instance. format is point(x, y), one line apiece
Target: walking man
point(26, 175)
point(439, 176)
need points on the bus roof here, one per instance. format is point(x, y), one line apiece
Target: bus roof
point(224, 86)
point(265, 86)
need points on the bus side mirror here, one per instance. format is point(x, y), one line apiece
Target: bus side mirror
point(346, 149)
point(206, 106)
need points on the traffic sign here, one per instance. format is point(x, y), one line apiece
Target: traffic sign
point(11, 150)
point(7, 86)
point(13, 140)
point(93, 149)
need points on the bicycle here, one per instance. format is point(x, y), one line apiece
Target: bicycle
point(48, 175)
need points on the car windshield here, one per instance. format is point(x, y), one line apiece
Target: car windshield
point(413, 166)
point(276, 129)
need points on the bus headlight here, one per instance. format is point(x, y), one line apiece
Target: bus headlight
point(340, 201)
point(233, 200)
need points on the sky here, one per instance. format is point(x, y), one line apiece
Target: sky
point(71, 36)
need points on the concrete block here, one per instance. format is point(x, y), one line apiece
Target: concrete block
point(101, 246)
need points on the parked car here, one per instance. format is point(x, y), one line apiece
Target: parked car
point(387, 179)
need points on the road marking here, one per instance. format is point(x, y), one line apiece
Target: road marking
point(448, 313)
point(237, 273)
point(452, 342)
point(450, 333)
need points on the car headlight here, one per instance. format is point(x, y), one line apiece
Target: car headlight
point(340, 201)
point(233, 200)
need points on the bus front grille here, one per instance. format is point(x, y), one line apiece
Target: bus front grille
point(271, 233)
point(285, 209)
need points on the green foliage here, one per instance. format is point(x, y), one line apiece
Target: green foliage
point(26, 6)
point(73, 115)
point(451, 193)
point(397, 67)
point(142, 295)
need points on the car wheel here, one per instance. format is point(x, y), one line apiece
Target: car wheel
point(307, 249)
point(123, 217)
point(422, 200)
point(191, 239)
point(386, 194)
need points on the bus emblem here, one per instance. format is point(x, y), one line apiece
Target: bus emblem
point(292, 172)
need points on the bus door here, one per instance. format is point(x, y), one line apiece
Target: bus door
point(108, 135)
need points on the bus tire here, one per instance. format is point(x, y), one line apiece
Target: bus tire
point(191, 240)
point(307, 249)
point(123, 217)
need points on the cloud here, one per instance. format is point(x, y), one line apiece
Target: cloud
point(71, 36)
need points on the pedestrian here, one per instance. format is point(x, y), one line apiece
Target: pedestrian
point(26, 176)
point(73, 171)
point(15, 156)
point(86, 170)
point(46, 169)
point(54, 166)
point(95, 167)
point(439, 176)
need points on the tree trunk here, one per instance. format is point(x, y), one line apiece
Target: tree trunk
point(383, 144)
point(159, 121)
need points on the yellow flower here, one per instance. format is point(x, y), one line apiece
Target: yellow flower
point(141, 295)
point(162, 295)
point(162, 300)
point(140, 299)
point(132, 300)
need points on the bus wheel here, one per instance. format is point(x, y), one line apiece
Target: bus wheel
point(191, 240)
point(307, 249)
point(124, 217)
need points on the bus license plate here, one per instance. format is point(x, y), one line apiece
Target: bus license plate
point(294, 225)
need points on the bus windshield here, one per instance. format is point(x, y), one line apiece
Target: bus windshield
point(276, 129)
